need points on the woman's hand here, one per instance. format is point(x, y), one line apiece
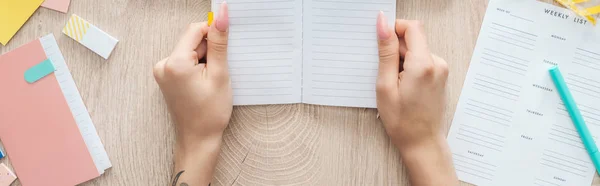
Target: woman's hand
point(411, 101)
point(199, 96)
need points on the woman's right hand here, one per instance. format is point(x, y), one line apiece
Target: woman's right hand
point(411, 100)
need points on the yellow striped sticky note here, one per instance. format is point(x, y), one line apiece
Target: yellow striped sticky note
point(76, 27)
point(90, 36)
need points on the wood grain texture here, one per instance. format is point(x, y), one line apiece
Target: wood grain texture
point(264, 145)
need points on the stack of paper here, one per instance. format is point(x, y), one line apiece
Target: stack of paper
point(45, 128)
point(510, 126)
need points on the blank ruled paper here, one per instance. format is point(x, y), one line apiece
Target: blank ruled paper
point(340, 56)
point(304, 51)
point(264, 52)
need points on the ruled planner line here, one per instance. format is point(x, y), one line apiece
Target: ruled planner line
point(498, 80)
point(510, 43)
point(513, 34)
point(487, 132)
point(503, 26)
point(476, 165)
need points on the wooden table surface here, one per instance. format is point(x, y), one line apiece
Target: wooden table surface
point(264, 145)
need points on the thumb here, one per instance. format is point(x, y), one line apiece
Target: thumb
point(389, 57)
point(217, 44)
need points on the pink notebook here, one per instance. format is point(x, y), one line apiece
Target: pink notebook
point(43, 125)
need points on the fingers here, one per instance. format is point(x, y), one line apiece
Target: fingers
point(182, 59)
point(418, 59)
point(402, 46)
point(159, 70)
point(442, 67)
point(217, 44)
point(201, 50)
point(389, 57)
point(192, 37)
point(413, 34)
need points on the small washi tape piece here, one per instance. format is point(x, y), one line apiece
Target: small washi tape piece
point(6, 175)
point(90, 36)
point(593, 10)
point(572, 4)
point(210, 18)
point(39, 71)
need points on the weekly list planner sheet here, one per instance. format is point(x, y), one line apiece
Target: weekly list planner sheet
point(304, 51)
point(510, 125)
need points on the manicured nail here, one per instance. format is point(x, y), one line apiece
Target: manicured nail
point(222, 22)
point(382, 27)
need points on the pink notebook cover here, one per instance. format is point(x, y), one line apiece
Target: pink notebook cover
point(39, 133)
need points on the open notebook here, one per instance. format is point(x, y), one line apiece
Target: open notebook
point(45, 128)
point(304, 51)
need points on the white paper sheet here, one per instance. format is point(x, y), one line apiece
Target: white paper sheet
point(78, 109)
point(312, 51)
point(340, 51)
point(510, 126)
point(265, 50)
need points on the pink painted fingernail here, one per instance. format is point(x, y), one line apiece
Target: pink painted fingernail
point(382, 27)
point(222, 22)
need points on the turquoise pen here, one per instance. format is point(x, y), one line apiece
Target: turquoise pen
point(582, 129)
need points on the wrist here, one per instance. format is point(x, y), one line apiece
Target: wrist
point(435, 145)
point(430, 159)
point(197, 146)
point(195, 162)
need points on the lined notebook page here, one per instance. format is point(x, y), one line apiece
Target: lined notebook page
point(340, 56)
point(264, 52)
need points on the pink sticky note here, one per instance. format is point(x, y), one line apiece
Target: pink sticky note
point(6, 176)
point(58, 5)
point(37, 128)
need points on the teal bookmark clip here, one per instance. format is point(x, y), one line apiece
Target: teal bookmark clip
point(576, 117)
point(39, 71)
